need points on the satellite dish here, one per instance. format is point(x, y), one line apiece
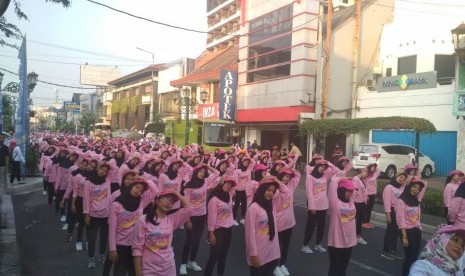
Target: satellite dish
point(4, 6)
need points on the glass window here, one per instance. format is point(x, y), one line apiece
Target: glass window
point(368, 149)
point(218, 134)
point(407, 65)
point(391, 149)
point(444, 65)
point(271, 73)
point(279, 49)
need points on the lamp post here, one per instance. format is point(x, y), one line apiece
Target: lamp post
point(153, 85)
point(185, 101)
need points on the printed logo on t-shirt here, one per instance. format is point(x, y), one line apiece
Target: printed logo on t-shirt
point(347, 215)
point(397, 192)
point(98, 194)
point(243, 179)
point(285, 204)
point(197, 198)
point(158, 240)
point(223, 212)
point(412, 214)
point(263, 228)
point(319, 186)
point(128, 219)
point(371, 186)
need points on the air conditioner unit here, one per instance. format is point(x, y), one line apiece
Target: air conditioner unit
point(370, 84)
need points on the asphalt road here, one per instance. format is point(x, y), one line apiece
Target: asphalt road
point(43, 251)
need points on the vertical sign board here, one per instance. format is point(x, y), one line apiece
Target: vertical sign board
point(228, 87)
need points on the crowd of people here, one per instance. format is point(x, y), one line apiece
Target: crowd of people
point(136, 193)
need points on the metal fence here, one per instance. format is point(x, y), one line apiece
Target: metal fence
point(32, 161)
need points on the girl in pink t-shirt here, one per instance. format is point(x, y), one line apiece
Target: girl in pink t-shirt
point(341, 233)
point(262, 245)
point(371, 190)
point(360, 200)
point(220, 222)
point(452, 183)
point(456, 213)
point(408, 215)
point(244, 176)
point(153, 234)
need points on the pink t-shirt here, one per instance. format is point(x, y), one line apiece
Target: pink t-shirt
point(96, 200)
point(198, 197)
point(449, 193)
point(62, 178)
point(285, 206)
point(219, 214)
point(372, 183)
point(390, 196)
point(257, 237)
point(153, 243)
point(407, 217)
point(243, 179)
point(78, 183)
point(341, 230)
point(360, 194)
point(457, 212)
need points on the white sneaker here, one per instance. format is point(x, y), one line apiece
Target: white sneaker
point(63, 218)
point(242, 221)
point(79, 246)
point(65, 227)
point(361, 241)
point(284, 270)
point(183, 269)
point(320, 248)
point(44, 192)
point(235, 223)
point(306, 249)
point(91, 263)
point(181, 227)
point(194, 266)
point(278, 272)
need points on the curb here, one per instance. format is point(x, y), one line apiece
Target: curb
point(32, 185)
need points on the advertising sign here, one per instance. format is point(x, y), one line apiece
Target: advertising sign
point(208, 111)
point(228, 87)
point(72, 106)
point(408, 82)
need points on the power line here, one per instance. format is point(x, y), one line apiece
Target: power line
point(72, 63)
point(434, 4)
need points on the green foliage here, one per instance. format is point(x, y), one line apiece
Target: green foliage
point(322, 128)
point(432, 203)
point(7, 113)
point(86, 120)
point(156, 126)
point(12, 31)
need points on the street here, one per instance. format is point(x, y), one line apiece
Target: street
point(44, 252)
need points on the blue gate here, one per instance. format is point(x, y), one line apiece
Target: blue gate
point(440, 146)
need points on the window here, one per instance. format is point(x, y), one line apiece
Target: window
point(392, 149)
point(388, 72)
point(407, 65)
point(146, 112)
point(270, 42)
point(444, 65)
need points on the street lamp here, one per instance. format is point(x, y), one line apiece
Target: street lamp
point(187, 103)
point(203, 96)
point(153, 85)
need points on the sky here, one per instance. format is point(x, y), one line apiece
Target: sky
point(60, 39)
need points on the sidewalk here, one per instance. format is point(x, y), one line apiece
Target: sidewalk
point(9, 263)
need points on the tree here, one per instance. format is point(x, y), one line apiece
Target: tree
point(156, 125)
point(8, 124)
point(86, 120)
point(12, 31)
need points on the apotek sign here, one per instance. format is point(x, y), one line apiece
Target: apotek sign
point(228, 87)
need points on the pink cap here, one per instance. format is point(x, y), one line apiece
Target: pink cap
point(288, 171)
point(168, 193)
point(409, 166)
point(450, 229)
point(451, 173)
point(346, 183)
point(260, 167)
point(230, 179)
point(269, 180)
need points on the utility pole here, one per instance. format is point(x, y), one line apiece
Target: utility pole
point(356, 57)
point(324, 98)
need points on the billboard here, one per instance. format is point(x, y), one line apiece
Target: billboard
point(98, 75)
point(72, 106)
point(228, 86)
point(207, 111)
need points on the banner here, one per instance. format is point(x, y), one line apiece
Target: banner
point(228, 86)
point(207, 111)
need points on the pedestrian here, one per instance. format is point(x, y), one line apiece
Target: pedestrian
point(453, 181)
point(254, 144)
point(78, 181)
point(196, 192)
point(17, 159)
point(153, 234)
point(285, 218)
point(317, 203)
point(4, 162)
point(360, 200)
point(336, 154)
point(342, 235)
point(262, 245)
point(391, 193)
point(409, 221)
point(243, 175)
point(295, 151)
point(219, 224)
point(61, 185)
point(45, 161)
point(456, 214)
point(96, 208)
point(371, 189)
point(125, 211)
point(442, 255)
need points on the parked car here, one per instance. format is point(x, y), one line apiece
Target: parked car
point(391, 158)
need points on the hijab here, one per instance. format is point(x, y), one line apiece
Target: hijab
point(127, 200)
point(95, 178)
point(394, 182)
point(195, 181)
point(409, 199)
point(315, 173)
point(460, 190)
point(219, 165)
point(435, 253)
point(66, 163)
point(170, 172)
point(267, 205)
point(220, 193)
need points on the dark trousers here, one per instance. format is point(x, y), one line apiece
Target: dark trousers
point(45, 182)
point(219, 252)
point(264, 270)
point(58, 197)
point(338, 260)
point(284, 241)
point(369, 208)
point(319, 220)
point(70, 216)
point(125, 262)
point(240, 199)
point(193, 237)
point(92, 229)
point(50, 192)
point(359, 216)
point(446, 212)
point(392, 234)
point(15, 171)
point(412, 250)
